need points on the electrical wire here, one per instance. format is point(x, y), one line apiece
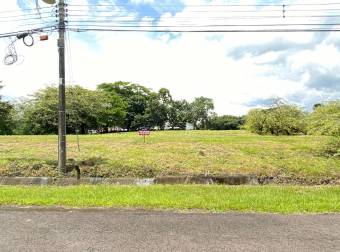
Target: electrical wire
point(207, 25)
point(24, 19)
point(207, 5)
point(106, 18)
point(51, 23)
point(81, 20)
point(32, 30)
point(26, 10)
point(181, 17)
point(11, 55)
point(204, 31)
point(193, 11)
point(207, 17)
point(69, 57)
point(282, 10)
point(27, 15)
point(30, 43)
point(70, 11)
point(37, 7)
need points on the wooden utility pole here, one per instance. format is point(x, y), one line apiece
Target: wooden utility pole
point(62, 101)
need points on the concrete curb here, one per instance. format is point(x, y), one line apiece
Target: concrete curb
point(170, 180)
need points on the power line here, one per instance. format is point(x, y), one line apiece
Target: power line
point(31, 31)
point(229, 15)
point(219, 23)
point(120, 23)
point(26, 10)
point(24, 19)
point(215, 26)
point(203, 31)
point(72, 18)
point(50, 23)
point(221, 11)
point(103, 19)
point(207, 25)
point(217, 20)
point(192, 11)
point(282, 11)
point(27, 15)
point(69, 57)
point(206, 5)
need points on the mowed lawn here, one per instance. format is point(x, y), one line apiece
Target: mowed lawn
point(270, 199)
point(172, 153)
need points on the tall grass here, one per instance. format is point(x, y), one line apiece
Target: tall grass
point(172, 153)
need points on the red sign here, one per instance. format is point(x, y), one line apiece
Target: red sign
point(144, 132)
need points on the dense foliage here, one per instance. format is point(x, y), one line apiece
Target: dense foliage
point(86, 109)
point(148, 109)
point(129, 107)
point(281, 119)
point(331, 148)
point(226, 122)
point(113, 106)
point(201, 111)
point(286, 119)
point(325, 119)
point(6, 117)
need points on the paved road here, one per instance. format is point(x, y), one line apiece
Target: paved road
point(34, 229)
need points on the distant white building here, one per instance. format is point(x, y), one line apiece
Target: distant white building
point(189, 126)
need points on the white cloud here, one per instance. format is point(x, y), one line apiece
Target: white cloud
point(190, 66)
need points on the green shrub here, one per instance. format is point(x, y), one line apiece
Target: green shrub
point(283, 119)
point(325, 119)
point(331, 148)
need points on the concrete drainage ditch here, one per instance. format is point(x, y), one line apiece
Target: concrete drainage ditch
point(169, 180)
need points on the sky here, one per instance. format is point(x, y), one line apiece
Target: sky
point(240, 71)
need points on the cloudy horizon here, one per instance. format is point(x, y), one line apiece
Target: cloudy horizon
point(239, 71)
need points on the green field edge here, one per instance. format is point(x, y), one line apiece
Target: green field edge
point(212, 198)
point(174, 153)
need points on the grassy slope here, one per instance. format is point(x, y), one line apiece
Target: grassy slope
point(171, 153)
point(212, 198)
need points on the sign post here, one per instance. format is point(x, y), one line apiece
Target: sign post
point(144, 133)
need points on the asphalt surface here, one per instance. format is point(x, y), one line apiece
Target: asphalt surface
point(36, 229)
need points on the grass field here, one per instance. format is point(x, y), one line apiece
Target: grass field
point(172, 153)
point(272, 199)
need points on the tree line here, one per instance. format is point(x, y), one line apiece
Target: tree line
point(130, 107)
point(112, 106)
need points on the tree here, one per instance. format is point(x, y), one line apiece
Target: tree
point(113, 112)
point(158, 108)
point(88, 109)
point(6, 117)
point(201, 110)
point(226, 122)
point(281, 119)
point(85, 109)
point(256, 121)
point(135, 98)
point(325, 119)
point(179, 112)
